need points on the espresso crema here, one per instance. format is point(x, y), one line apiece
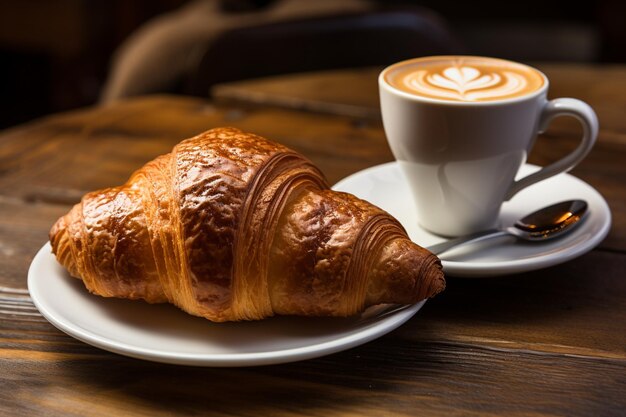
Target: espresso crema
point(464, 78)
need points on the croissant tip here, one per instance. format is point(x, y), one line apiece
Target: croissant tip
point(60, 243)
point(436, 278)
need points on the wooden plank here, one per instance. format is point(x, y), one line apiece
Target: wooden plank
point(70, 154)
point(603, 87)
point(100, 147)
point(351, 92)
point(23, 230)
point(390, 376)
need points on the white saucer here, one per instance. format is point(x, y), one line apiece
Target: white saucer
point(385, 186)
point(162, 333)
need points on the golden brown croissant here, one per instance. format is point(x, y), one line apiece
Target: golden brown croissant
point(230, 226)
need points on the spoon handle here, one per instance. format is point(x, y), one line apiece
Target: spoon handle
point(442, 247)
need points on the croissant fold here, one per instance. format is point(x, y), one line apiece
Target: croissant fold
point(230, 226)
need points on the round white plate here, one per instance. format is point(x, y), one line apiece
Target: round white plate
point(163, 333)
point(385, 186)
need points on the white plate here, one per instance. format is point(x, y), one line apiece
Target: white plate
point(385, 186)
point(162, 333)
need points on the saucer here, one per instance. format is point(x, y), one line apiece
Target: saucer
point(385, 186)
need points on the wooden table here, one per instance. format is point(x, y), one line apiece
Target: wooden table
point(550, 342)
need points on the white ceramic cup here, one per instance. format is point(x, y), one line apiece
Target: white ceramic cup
point(461, 158)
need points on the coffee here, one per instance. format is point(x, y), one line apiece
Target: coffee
point(464, 78)
point(460, 128)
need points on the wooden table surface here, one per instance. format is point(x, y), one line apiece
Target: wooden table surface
point(549, 342)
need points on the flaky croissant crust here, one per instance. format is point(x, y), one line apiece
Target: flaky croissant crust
point(230, 226)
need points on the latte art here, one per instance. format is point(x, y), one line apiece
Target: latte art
point(466, 83)
point(467, 79)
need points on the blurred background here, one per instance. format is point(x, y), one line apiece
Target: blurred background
point(57, 55)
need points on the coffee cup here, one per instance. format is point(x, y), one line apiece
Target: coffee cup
point(460, 127)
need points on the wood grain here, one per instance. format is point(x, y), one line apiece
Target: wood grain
point(549, 342)
point(97, 148)
point(395, 375)
point(348, 92)
point(23, 230)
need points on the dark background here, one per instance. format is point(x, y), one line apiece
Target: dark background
point(55, 54)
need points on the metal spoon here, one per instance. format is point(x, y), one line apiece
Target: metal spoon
point(541, 225)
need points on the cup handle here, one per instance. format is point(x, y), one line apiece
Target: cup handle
point(562, 107)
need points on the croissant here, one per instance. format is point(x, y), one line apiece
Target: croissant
point(230, 226)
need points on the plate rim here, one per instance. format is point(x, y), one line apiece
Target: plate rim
point(386, 324)
point(462, 269)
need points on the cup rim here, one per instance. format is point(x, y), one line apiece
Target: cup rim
point(394, 90)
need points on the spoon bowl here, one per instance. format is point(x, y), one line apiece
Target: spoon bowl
point(550, 222)
point(544, 224)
